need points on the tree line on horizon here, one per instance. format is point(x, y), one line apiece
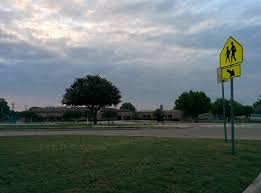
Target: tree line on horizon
point(95, 93)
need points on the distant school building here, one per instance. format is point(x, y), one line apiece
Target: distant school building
point(57, 113)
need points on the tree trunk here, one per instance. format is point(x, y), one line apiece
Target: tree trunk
point(87, 117)
point(95, 117)
point(195, 119)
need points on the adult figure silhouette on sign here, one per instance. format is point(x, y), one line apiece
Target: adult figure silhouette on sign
point(233, 52)
point(228, 55)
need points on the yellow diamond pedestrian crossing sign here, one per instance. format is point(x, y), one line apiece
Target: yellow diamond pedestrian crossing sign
point(231, 54)
point(230, 72)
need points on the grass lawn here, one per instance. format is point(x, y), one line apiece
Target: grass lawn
point(99, 164)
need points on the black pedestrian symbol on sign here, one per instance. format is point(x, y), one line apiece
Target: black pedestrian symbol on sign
point(231, 72)
point(227, 54)
point(232, 52)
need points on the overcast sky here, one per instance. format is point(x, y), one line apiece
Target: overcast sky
point(152, 50)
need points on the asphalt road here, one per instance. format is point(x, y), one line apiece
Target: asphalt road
point(215, 131)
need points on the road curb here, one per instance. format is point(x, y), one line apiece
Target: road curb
point(255, 187)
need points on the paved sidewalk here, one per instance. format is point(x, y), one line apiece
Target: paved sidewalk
point(255, 187)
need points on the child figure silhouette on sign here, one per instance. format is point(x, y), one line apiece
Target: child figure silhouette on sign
point(228, 55)
point(233, 52)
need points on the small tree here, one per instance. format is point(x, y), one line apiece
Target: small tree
point(159, 114)
point(217, 107)
point(93, 92)
point(30, 116)
point(110, 115)
point(257, 109)
point(72, 115)
point(193, 103)
point(257, 103)
point(4, 109)
point(257, 106)
point(247, 110)
point(238, 109)
point(128, 107)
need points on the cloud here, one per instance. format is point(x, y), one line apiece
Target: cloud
point(153, 50)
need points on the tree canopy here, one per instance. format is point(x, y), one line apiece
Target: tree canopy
point(128, 107)
point(193, 103)
point(4, 109)
point(93, 92)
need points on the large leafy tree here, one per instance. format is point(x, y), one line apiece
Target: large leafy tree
point(128, 107)
point(93, 92)
point(193, 103)
point(4, 109)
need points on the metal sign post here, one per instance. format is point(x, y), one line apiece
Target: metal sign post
point(224, 111)
point(221, 81)
point(232, 117)
point(230, 60)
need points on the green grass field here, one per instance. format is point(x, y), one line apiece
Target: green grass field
point(56, 164)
